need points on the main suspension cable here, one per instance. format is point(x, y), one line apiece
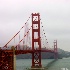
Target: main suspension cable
point(15, 34)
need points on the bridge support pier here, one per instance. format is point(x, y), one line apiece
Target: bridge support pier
point(55, 50)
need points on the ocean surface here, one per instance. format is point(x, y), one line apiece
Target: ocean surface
point(60, 64)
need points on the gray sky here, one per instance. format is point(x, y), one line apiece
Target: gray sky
point(55, 16)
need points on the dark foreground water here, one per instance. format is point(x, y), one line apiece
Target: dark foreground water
point(61, 64)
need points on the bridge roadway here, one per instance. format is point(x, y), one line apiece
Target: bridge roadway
point(26, 51)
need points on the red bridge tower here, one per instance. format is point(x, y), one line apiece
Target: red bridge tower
point(55, 50)
point(36, 55)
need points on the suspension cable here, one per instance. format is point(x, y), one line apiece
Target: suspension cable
point(24, 36)
point(44, 36)
point(15, 34)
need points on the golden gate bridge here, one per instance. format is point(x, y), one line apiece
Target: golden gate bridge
point(31, 44)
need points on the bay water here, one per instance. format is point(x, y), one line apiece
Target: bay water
point(60, 64)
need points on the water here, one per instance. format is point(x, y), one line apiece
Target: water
point(22, 64)
point(61, 64)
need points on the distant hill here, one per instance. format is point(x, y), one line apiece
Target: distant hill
point(62, 53)
point(46, 55)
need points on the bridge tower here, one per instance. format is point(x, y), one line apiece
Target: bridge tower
point(36, 55)
point(55, 50)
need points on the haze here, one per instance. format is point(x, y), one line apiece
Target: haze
point(55, 16)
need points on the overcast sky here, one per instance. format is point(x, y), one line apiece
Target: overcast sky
point(55, 16)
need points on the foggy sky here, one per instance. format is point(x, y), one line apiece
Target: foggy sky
point(55, 16)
